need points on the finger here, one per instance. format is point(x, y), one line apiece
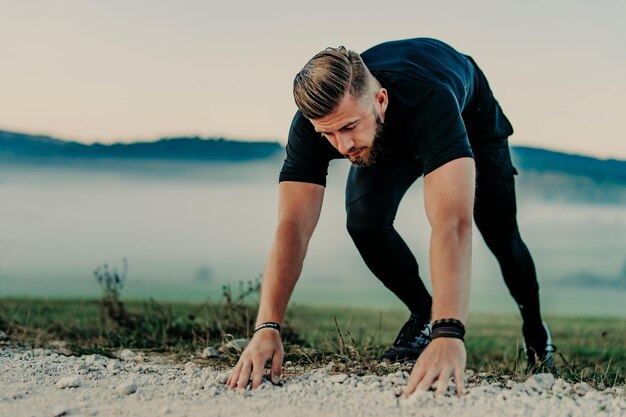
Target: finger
point(443, 381)
point(414, 380)
point(234, 375)
point(258, 369)
point(244, 376)
point(459, 381)
point(427, 382)
point(277, 366)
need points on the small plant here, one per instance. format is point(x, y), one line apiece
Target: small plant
point(112, 283)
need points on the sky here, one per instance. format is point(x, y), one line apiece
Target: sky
point(122, 71)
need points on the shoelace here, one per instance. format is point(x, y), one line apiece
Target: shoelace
point(410, 331)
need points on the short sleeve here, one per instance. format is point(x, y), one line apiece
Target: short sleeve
point(440, 130)
point(307, 154)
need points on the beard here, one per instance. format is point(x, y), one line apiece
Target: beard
point(371, 154)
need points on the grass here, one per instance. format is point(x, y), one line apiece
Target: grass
point(592, 350)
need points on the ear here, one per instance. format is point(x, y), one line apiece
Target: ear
point(382, 101)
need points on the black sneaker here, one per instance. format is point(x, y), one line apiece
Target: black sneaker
point(411, 341)
point(540, 354)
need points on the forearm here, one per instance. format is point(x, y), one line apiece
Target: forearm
point(282, 271)
point(450, 264)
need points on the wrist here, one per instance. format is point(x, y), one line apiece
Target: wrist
point(271, 325)
point(448, 328)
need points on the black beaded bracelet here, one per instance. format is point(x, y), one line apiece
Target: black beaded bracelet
point(269, 324)
point(450, 322)
point(448, 328)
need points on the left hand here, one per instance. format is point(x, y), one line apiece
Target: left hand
point(443, 358)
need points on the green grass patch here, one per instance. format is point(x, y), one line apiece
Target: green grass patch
point(592, 350)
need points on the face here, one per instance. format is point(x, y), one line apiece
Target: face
point(356, 127)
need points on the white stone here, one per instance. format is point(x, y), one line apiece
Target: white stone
point(237, 344)
point(90, 359)
point(114, 365)
point(581, 388)
point(208, 373)
point(540, 382)
point(415, 397)
point(82, 369)
point(321, 373)
point(338, 378)
point(3, 335)
point(71, 381)
point(559, 386)
point(222, 377)
point(60, 410)
point(210, 352)
point(126, 388)
point(127, 355)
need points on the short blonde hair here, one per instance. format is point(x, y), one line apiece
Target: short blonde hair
point(321, 84)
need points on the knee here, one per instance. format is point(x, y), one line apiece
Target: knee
point(502, 240)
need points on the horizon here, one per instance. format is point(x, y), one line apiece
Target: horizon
point(123, 72)
point(154, 140)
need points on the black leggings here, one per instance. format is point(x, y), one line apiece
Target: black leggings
point(373, 195)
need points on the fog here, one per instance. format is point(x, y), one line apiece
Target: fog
point(186, 229)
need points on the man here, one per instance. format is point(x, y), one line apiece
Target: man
point(400, 110)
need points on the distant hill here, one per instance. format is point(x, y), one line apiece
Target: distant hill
point(20, 147)
point(542, 160)
point(587, 279)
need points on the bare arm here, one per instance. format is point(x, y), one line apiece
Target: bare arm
point(449, 201)
point(299, 207)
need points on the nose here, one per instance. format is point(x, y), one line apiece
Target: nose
point(344, 143)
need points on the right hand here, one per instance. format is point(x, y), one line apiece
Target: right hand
point(264, 346)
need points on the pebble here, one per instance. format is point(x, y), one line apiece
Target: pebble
point(559, 386)
point(89, 360)
point(540, 382)
point(581, 388)
point(127, 355)
point(210, 352)
point(3, 335)
point(338, 379)
point(237, 344)
point(83, 369)
point(60, 410)
point(222, 377)
point(114, 365)
point(71, 381)
point(126, 388)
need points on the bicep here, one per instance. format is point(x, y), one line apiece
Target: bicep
point(449, 192)
point(300, 203)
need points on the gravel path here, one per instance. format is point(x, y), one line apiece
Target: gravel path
point(41, 383)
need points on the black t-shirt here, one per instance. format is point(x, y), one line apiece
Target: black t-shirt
point(439, 102)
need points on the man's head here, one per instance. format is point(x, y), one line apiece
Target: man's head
point(344, 102)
